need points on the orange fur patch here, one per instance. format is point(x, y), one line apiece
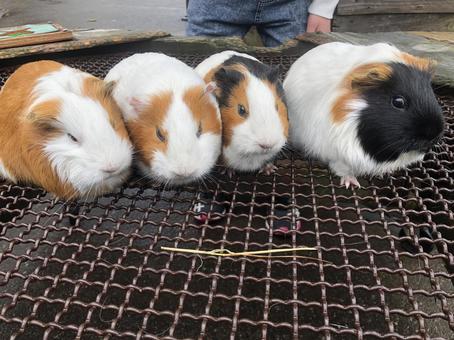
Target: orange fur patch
point(101, 92)
point(369, 75)
point(42, 117)
point(210, 75)
point(143, 129)
point(360, 78)
point(229, 114)
point(203, 109)
point(341, 106)
point(281, 107)
point(422, 64)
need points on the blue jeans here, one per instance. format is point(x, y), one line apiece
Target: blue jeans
point(276, 20)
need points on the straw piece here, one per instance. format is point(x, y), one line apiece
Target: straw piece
point(226, 252)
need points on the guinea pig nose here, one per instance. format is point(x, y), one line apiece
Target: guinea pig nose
point(266, 146)
point(183, 172)
point(110, 170)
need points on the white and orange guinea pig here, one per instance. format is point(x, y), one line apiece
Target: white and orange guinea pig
point(253, 109)
point(171, 115)
point(364, 110)
point(60, 129)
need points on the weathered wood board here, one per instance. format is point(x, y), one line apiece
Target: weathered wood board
point(357, 7)
point(434, 46)
point(82, 40)
point(394, 15)
point(393, 22)
point(439, 36)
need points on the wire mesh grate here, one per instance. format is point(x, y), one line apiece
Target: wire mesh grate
point(98, 271)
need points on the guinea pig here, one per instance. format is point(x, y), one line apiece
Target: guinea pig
point(364, 110)
point(171, 115)
point(253, 109)
point(60, 129)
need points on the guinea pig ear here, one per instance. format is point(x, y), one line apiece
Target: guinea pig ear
point(44, 124)
point(137, 104)
point(273, 74)
point(227, 76)
point(210, 87)
point(44, 116)
point(370, 75)
point(221, 74)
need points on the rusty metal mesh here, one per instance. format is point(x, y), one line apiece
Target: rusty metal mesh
point(99, 272)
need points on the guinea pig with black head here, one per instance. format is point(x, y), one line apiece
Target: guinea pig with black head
point(364, 110)
point(253, 110)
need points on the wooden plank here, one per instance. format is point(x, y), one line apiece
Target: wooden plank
point(25, 35)
point(353, 7)
point(439, 36)
point(394, 22)
point(442, 52)
point(82, 40)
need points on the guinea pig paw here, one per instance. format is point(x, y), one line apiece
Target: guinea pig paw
point(350, 181)
point(268, 169)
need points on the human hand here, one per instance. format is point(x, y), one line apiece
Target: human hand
point(316, 23)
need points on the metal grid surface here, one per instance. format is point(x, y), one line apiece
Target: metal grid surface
point(100, 273)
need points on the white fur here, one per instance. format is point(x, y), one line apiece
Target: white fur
point(144, 75)
point(4, 173)
point(99, 147)
point(262, 126)
point(312, 85)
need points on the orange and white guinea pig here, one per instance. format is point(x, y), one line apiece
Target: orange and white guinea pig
point(253, 109)
point(364, 110)
point(171, 115)
point(60, 129)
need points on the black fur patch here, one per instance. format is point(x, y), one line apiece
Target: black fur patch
point(386, 132)
point(227, 79)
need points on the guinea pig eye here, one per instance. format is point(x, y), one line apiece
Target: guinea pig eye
point(242, 111)
point(159, 134)
point(199, 131)
point(399, 102)
point(74, 139)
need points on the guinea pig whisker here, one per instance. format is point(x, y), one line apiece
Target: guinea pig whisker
point(438, 87)
point(167, 185)
point(87, 194)
point(284, 153)
point(211, 178)
point(386, 147)
point(202, 182)
point(62, 206)
point(139, 179)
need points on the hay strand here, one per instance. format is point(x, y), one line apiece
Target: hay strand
point(256, 253)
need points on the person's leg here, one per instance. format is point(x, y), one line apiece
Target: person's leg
point(280, 20)
point(219, 18)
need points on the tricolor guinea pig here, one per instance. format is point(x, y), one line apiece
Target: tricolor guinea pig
point(364, 110)
point(171, 115)
point(253, 109)
point(60, 129)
